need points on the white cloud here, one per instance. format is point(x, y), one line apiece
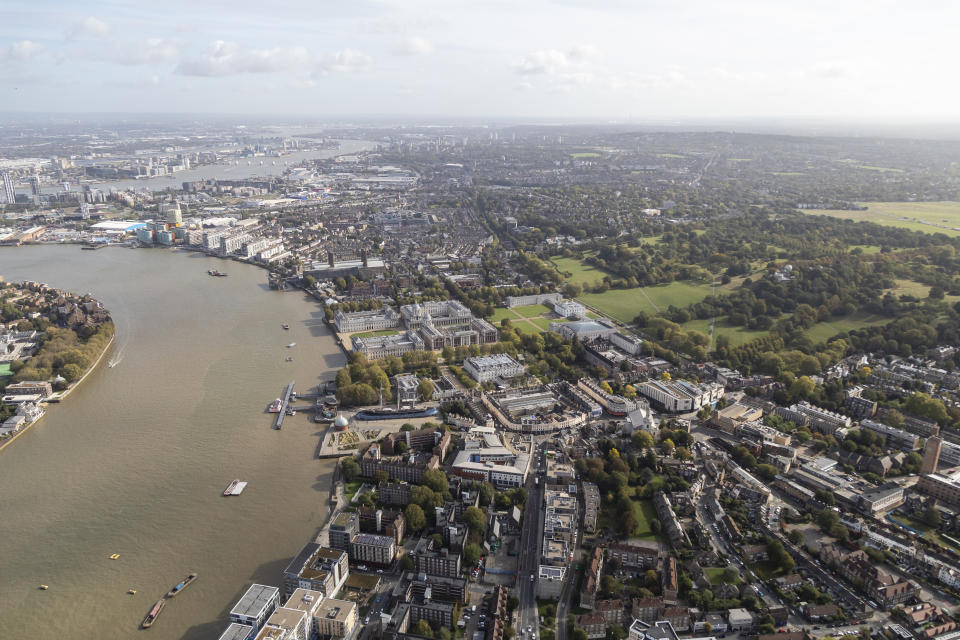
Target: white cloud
point(23, 50)
point(562, 70)
point(545, 62)
point(346, 61)
point(131, 53)
point(227, 59)
point(90, 27)
point(413, 46)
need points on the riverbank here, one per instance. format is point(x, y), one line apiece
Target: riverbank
point(62, 394)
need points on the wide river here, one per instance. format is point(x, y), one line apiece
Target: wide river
point(135, 460)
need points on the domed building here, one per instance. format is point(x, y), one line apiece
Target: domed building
point(341, 423)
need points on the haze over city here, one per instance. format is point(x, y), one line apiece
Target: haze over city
point(604, 59)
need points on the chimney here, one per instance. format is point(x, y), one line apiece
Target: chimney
point(330, 258)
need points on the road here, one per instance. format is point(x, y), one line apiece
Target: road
point(529, 557)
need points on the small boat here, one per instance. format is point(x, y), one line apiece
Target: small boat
point(285, 326)
point(115, 556)
point(292, 344)
point(152, 616)
point(216, 274)
point(44, 587)
point(230, 487)
point(289, 359)
point(132, 592)
point(275, 406)
point(235, 488)
point(183, 584)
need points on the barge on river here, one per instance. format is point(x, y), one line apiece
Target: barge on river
point(183, 584)
point(154, 613)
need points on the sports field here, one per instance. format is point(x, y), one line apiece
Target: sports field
point(928, 217)
point(625, 304)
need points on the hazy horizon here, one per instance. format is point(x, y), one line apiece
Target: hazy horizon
point(545, 60)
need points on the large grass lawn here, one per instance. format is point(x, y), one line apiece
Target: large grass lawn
point(823, 331)
point(544, 323)
point(580, 272)
point(532, 310)
point(585, 154)
point(529, 319)
point(737, 335)
point(527, 327)
point(625, 304)
point(929, 217)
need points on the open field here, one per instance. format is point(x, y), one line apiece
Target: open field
point(737, 335)
point(671, 155)
point(527, 327)
point(534, 318)
point(910, 288)
point(580, 273)
point(531, 310)
point(585, 154)
point(928, 217)
point(625, 304)
point(823, 331)
point(544, 323)
point(651, 239)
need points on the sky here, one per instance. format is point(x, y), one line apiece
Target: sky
point(614, 60)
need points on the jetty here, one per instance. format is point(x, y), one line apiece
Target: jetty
point(283, 407)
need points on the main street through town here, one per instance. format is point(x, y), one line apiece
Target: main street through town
point(529, 556)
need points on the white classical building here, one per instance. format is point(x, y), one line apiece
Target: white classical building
point(486, 368)
point(570, 309)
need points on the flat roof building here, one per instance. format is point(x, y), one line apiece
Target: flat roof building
point(237, 631)
point(487, 368)
point(336, 618)
point(256, 605)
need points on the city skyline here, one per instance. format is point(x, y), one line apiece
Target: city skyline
point(552, 59)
